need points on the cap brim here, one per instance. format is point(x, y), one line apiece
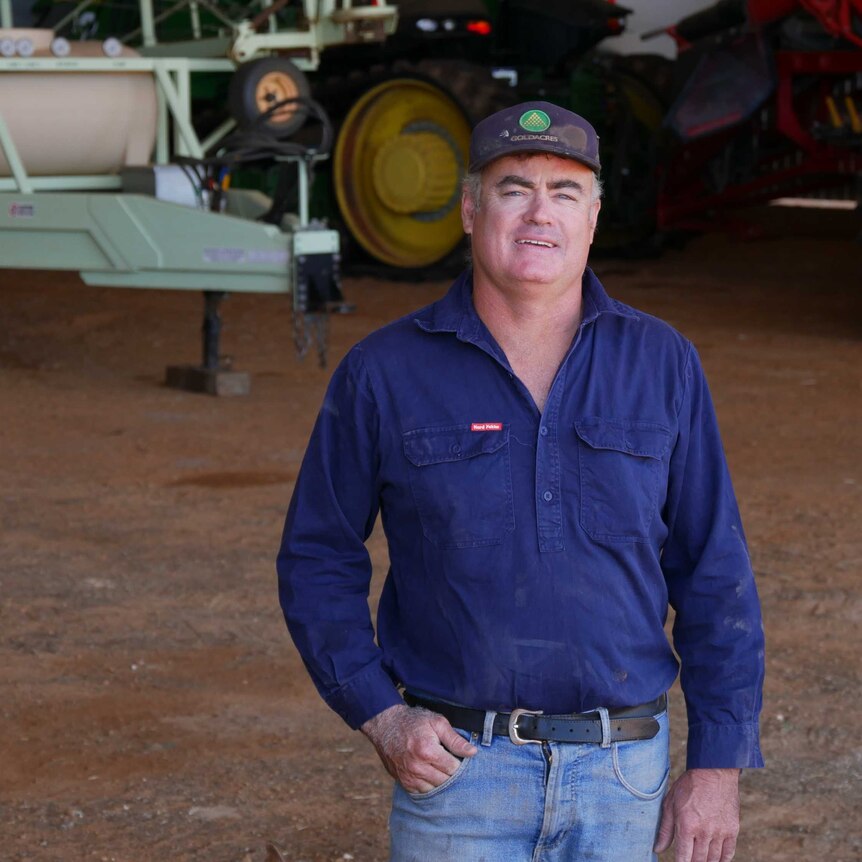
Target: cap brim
point(536, 147)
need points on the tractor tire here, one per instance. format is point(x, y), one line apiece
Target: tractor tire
point(477, 93)
point(401, 150)
point(632, 144)
point(258, 85)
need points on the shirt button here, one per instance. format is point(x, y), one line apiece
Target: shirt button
point(543, 431)
point(547, 496)
point(456, 448)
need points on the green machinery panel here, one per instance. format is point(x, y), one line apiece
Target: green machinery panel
point(127, 240)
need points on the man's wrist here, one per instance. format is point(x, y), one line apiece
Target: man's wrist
point(715, 773)
point(377, 724)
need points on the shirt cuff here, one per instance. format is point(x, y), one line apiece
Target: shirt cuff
point(724, 746)
point(364, 695)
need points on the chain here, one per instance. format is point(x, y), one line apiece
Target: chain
point(320, 324)
point(301, 337)
point(308, 327)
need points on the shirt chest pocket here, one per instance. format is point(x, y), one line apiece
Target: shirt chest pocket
point(622, 467)
point(462, 484)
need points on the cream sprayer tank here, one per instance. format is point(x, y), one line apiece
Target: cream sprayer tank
point(68, 123)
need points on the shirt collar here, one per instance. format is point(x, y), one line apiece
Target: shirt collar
point(455, 312)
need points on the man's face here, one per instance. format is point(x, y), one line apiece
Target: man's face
point(533, 223)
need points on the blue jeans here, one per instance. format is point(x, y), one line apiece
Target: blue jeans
point(555, 802)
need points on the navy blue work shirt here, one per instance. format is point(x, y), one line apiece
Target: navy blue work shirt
point(533, 554)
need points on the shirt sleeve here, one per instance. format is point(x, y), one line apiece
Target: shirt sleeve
point(324, 569)
point(718, 632)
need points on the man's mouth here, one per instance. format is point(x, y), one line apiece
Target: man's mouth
point(538, 242)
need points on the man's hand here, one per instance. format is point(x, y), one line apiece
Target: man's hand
point(701, 813)
point(418, 747)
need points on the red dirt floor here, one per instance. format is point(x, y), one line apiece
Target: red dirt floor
point(153, 707)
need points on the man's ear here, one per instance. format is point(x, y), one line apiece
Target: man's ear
point(468, 211)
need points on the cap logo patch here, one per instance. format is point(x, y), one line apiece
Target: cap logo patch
point(534, 121)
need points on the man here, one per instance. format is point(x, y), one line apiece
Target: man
point(549, 473)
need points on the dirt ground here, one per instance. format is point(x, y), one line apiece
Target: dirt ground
point(152, 706)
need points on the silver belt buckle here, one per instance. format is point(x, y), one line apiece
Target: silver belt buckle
point(514, 715)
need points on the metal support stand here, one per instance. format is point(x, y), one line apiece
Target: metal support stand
point(214, 376)
point(211, 329)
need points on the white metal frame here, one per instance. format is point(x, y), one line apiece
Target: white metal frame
point(330, 22)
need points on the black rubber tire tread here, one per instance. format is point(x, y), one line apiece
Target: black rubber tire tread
point(631, 152)
point(241, 93)
point(477, 93)
point(652, 71)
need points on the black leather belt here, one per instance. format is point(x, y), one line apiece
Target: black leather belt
point(524, 725)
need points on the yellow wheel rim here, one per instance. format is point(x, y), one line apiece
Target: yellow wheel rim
point(399, 159)
point(276, 87)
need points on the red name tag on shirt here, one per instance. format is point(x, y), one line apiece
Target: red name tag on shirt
point(486, 426)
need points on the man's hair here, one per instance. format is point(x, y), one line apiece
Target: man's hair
point(473, 187)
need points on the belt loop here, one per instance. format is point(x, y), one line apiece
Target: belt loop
point(488, 730)
point(606, 726)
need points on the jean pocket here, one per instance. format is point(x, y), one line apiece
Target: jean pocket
point(621, 463)
point(642, 766)
point(454, 777)
point(462, 484)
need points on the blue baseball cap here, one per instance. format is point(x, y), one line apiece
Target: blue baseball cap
point(534, 127)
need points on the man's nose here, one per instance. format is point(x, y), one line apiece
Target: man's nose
point(538, 208)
